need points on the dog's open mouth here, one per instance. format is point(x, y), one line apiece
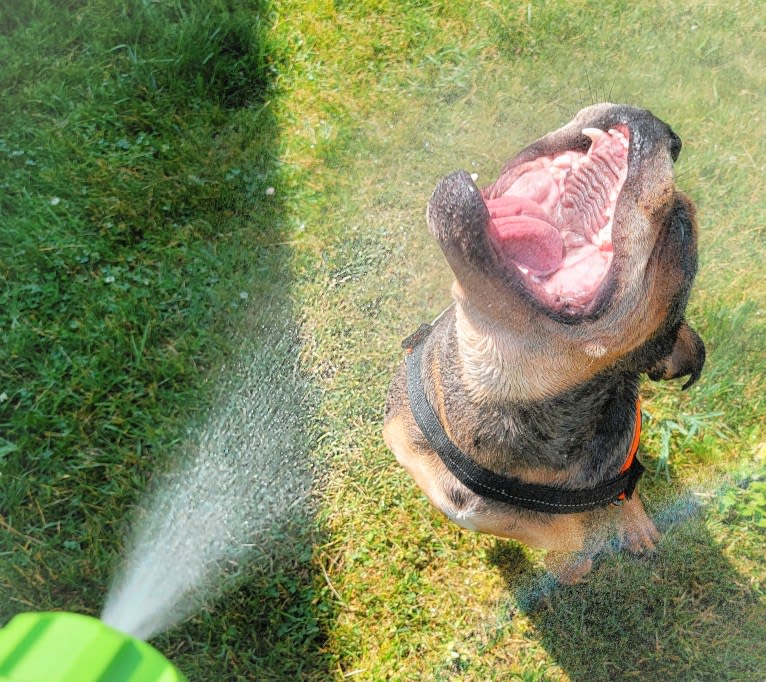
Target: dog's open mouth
point(551, 219)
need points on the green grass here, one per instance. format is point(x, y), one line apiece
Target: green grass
point(138, 244)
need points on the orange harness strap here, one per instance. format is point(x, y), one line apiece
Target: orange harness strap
point(633, 445)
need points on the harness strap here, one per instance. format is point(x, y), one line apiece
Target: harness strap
point(486, 483)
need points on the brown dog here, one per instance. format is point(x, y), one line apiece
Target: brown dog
point(516, 411)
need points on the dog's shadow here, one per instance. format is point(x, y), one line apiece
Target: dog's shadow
point(684, 614)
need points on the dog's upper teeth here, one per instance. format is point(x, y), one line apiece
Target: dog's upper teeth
point(595, 134)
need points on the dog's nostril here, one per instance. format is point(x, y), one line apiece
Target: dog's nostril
point(674, 145)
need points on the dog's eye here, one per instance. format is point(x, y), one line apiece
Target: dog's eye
point(674, 145)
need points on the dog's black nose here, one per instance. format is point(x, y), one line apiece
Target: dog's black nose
point(674, 145)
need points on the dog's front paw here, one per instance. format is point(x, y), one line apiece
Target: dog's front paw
point(568, 568)
point(635, 530)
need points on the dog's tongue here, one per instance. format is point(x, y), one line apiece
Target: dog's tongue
point(525, 235)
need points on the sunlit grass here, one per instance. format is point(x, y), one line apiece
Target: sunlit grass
point(416, 597)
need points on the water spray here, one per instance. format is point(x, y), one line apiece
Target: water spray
point(243, 476)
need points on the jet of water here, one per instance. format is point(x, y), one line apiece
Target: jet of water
point(245, 473)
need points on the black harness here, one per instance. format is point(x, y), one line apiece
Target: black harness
point(506, 489)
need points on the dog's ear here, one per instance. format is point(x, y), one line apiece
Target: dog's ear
point(685, 359)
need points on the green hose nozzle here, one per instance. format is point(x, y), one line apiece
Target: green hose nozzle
point(69, 647)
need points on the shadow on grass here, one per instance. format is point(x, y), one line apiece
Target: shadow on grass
point(685, 614)
point(144, 217)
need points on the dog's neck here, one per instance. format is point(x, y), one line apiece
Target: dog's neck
point(502, 367)
point(527, 404)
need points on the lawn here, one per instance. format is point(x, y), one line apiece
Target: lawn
point(176, 174)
